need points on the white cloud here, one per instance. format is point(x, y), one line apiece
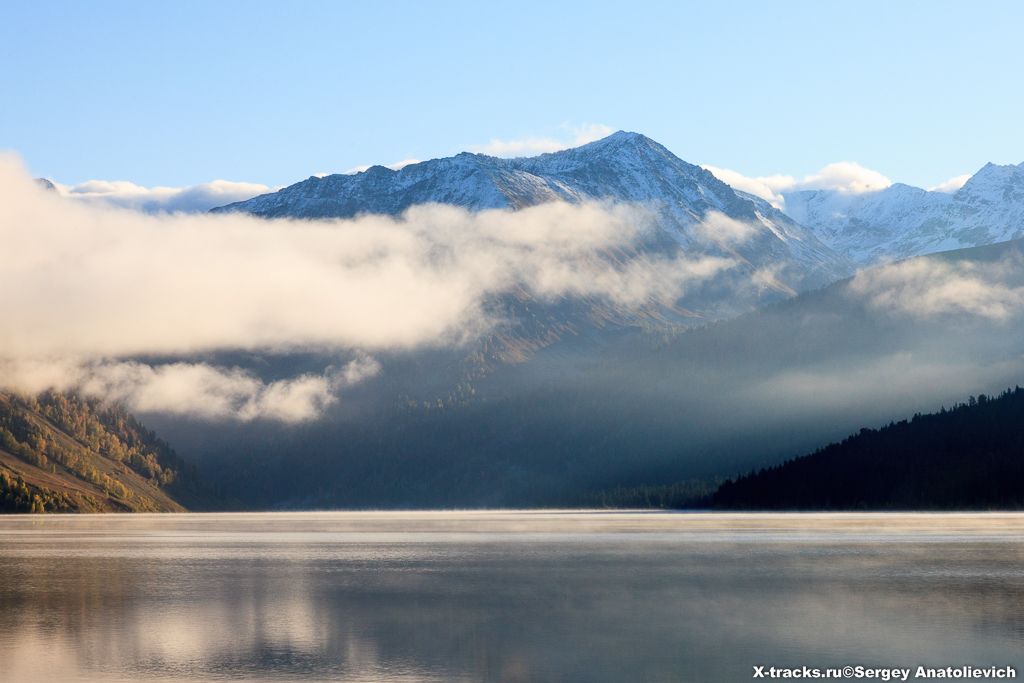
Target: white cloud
point(952, 185)
point(519, 147)
point(927, 287)
point(724, 231)
point(531, 146)
point(207, 391)
point(195, 198)
point(196, 389)
point(844, 176)
point(768, 278)
point(396, 166)
point(85, 287)
point(767, 188)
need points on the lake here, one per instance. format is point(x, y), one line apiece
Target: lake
point(503, 596)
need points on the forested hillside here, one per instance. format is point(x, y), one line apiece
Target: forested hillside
point(969, 457)
point(64, 453)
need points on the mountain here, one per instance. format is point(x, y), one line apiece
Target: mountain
point(903, 221)
point(580, 403)
point(623, 167)
point(969, 457)
point(62, 453)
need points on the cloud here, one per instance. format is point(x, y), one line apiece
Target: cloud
point(527, 146)
point(768, 277)
point(952, 185)
point(767, 188)
point(844, 176)
point(927, 287)
point(195, 389)
point(86, 289)
point(531, 146)
point(128, 195)
point(724, 231)
point(398, 165)
point(217, 393)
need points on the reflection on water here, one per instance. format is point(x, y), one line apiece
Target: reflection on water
point(504, 596)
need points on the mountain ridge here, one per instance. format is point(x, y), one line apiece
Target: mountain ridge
point(902, 221)
point(622, 167)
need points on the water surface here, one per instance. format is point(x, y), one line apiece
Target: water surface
point(502, 596)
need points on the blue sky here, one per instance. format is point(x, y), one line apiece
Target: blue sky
point(271, 92)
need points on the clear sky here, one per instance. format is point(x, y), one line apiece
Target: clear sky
point(176, 93)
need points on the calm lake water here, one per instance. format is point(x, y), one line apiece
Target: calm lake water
point(502, 596)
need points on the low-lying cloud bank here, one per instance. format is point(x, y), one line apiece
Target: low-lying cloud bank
point(85, 288)
point(196, 389)
point(191, 199)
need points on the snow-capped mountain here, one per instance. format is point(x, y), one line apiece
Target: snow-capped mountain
point(623, 167)
point(903, 221)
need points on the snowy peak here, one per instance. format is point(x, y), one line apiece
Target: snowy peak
point(992, 184)
point(619, 142)
point(623, 165)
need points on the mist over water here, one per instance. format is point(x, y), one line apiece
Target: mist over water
point(504, 596)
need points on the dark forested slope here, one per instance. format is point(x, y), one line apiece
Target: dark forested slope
point(969, 457)
point(63, 453)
